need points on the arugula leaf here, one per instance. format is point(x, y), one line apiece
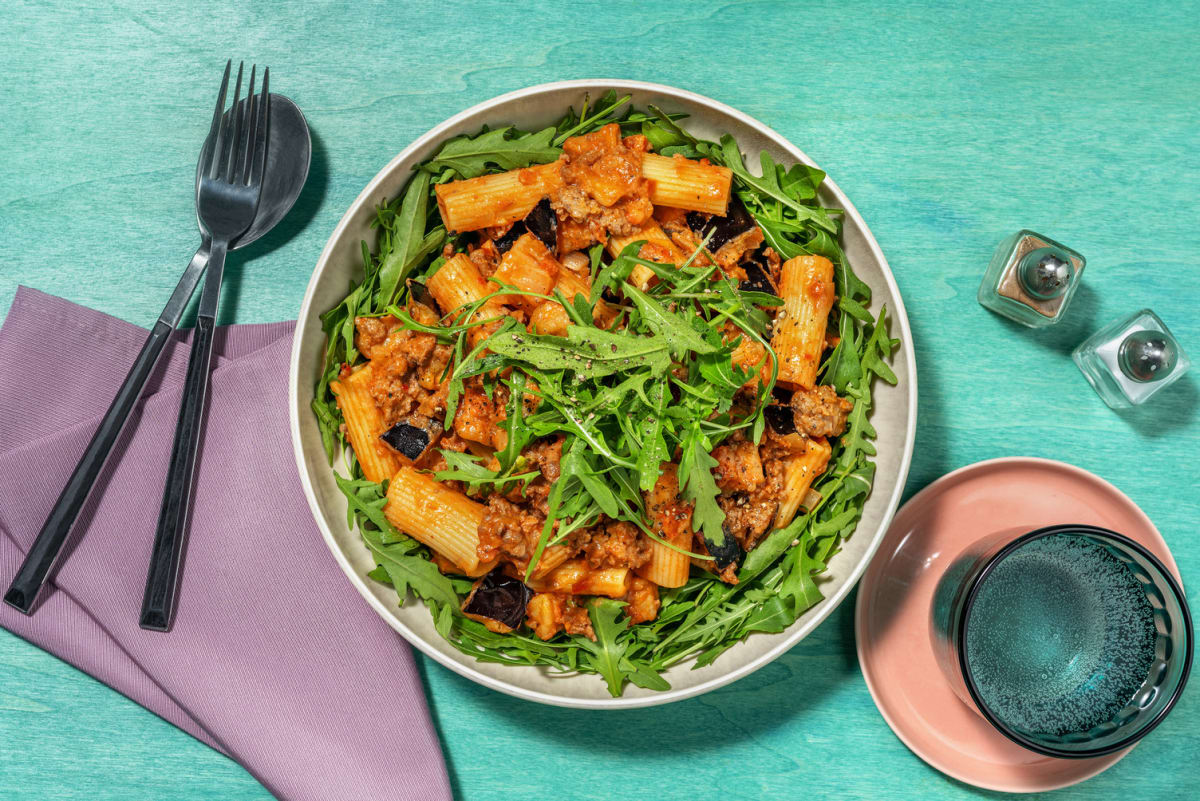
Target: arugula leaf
point(410, 570)
point(696, 484)
point(366, 499)
point(466, 468)
point(503, 148)
point(590, 352)
point(768, 184)
point(518, 434)
point(652, 451)
point(407, 241)
point(798, 584)
point(678, 333)
point(606, 654)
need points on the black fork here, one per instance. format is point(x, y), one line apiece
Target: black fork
point(226, 203)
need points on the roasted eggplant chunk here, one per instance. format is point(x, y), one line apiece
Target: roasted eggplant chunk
point(420, 294)
point(542, 222)
point(758, 275)
point(498, 598)
point(725, 553)
point(780, 419)
point(724, 229)
point(413, 436)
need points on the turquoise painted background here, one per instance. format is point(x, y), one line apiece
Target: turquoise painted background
point(949, 124)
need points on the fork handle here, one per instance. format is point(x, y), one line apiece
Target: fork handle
point(44, 553)
point(162, 579)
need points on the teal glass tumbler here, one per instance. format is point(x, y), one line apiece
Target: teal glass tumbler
point(1073, 641)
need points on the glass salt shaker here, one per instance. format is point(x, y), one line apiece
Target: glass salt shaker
point(1031, 279)
point(1131, 360)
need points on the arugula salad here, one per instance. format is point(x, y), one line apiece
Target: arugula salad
point(603, 394)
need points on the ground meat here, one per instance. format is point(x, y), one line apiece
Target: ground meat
point(616, 544)
point(508, 531)
point(403, 380)
point(739, 468)
point(750, 478)
point(748, 515)
point(603, 191)
point(575, 620)
point(371, 332)
point(586, 221)
point(485, 258)
point(429, 374)
point(819, 412)
point(544, 456)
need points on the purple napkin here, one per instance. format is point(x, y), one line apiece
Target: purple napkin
point(274, 659)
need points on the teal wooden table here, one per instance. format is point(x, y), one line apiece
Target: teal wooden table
point(949, 125)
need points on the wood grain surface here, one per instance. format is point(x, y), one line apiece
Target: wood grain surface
point(949, 125)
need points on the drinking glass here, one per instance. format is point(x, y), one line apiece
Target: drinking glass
point(1072, 640)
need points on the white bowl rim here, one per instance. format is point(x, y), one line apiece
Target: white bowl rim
point(812, 618)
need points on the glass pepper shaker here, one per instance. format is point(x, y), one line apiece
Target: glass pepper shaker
point(1132, 359)
point(1031, 279)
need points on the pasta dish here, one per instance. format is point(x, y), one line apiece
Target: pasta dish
point(603, 393)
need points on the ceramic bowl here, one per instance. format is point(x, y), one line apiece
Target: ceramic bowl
point(894, 415)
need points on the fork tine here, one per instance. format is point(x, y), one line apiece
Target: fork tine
point(262, 131)
point(246, 156)
point(214, 132)
point(236, 121)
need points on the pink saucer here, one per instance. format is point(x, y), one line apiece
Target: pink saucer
point(892, 620)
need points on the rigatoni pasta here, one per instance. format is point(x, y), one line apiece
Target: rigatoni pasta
point(445, 520)
point(671, 518)
point(528, 265)
point(498, 199)
point(364, 425)
point(799, 340)
point(799, 471)
point(576, 578)
point(686, 184)
point(457, 284)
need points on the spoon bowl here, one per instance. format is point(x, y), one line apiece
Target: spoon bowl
point(289, 155)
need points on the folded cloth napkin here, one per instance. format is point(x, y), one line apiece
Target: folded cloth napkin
point(273, 659)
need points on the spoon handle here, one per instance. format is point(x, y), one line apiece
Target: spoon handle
point(162, 579)
point(48, 546)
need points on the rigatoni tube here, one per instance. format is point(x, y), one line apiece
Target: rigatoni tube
point(799, 472)
point(442, 518)
point(528, 265)
point(364, 425)
point(492, 200)
point(577, 578)
point(671, 519)
point(686, 184)
point(807, 290)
